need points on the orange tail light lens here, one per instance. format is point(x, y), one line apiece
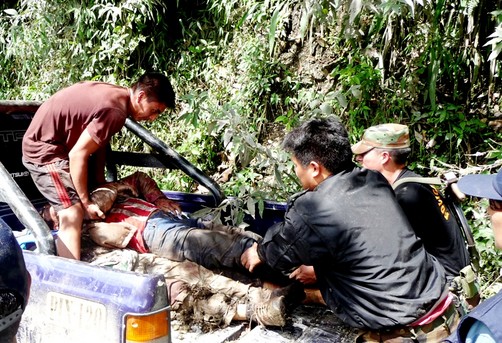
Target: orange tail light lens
point(147, 328)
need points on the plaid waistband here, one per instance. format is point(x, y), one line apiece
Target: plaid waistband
point(436, 311)
point(448, 321)
point(448, 318)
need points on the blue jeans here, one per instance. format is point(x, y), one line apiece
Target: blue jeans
point(184, 239)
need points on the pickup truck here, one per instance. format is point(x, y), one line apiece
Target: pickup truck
point(74, 301)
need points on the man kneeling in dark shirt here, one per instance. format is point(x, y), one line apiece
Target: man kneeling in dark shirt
point(371, 269)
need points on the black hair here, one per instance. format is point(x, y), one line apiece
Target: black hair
point(324, 141)
point(399, 156)
point(157, 88)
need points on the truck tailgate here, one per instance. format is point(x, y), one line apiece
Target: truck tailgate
point(72, 301)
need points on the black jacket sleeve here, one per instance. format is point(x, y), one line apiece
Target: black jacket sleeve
point(291, 243)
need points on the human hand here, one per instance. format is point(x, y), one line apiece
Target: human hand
point(304, 274)
point(250, 258)
point(104, 198)
point(168, 206)
point(93, 212)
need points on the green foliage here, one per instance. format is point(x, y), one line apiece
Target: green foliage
point(233, 96)
point(495, 41)
point(247, 71)
point(53, 43)
point(447, 133)
point(359, 91)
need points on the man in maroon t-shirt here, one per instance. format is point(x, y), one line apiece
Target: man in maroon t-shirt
point(71, 126)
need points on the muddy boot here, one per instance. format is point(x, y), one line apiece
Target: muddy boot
point(269, 313)
point(216, 310)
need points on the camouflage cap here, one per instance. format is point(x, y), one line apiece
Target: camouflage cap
point(387, 136)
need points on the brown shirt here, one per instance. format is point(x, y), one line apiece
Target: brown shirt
point(59, 122)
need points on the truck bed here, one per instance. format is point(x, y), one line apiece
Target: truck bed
point(307, 324)
point(75, 293)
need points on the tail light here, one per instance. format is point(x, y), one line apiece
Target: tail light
point(151, 328)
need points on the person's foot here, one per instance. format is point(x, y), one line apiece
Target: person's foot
point(271, 312)
point(193, 304)
point(213, 310)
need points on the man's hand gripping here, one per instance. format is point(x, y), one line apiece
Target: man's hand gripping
point(250, 258)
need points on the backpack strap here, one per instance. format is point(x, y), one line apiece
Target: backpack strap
point(418, 179)
point(454, 207)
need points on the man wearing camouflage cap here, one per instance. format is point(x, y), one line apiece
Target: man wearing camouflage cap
point(370, 267)
point(385, 148)
point(386, 136)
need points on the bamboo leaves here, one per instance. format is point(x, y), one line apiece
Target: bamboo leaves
point(274, 22)
point(495, 42)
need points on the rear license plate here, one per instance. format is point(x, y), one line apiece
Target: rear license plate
point(78, 317)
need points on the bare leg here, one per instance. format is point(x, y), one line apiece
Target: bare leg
point(313, 296)
point(70, 229)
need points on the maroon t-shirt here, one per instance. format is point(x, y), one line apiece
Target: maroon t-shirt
point(59, 122)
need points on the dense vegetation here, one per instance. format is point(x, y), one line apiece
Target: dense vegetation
point(247, 71)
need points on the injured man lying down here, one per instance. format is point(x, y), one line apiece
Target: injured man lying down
point(144, 232)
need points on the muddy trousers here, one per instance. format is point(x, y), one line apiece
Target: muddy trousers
point(181, 240)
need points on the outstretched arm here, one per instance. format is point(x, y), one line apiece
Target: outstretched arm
point(168, 205)
point(145, 187)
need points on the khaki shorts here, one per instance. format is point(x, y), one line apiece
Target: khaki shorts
point(54, 182)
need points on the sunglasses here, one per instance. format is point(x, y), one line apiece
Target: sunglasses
point(496, 205)
point(361, 156)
